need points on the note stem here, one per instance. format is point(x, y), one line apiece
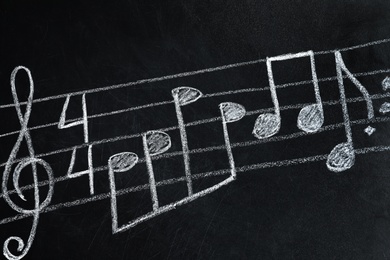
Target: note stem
point(272, 86)
point(152, 181)
point(184, 143)
point(227, 144)
point(90, 171)
point(114, 213)
point(315, 80)
point(343, 101)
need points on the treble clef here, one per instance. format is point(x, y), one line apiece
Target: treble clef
point(31, 160)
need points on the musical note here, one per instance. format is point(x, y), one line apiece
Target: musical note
point(120, 162)
point(230, 112)
point(24, 133)
point(154, 143)
point(84, 123)
point(342, 156)
point(310, 118)
point(183, 96)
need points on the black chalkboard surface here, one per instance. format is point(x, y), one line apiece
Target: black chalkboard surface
point(195, 129)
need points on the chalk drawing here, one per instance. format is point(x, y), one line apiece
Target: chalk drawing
point(230, 112)
point(156, 143)
point(310, 118)
point(342, 156)
point(32, 161)
point(183, 96)
point(84, 122)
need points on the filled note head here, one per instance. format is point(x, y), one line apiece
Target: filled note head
point(186, 95)
point(232, 112)
point(122, 162)
point(310, 118)
point(266, 125)
point(341, 158)
point(157, 142)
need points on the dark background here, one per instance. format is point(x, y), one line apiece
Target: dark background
point(294, 212)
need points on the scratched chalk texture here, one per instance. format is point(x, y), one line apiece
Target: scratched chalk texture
point(195, 129)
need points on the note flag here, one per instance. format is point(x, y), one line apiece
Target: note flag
point(183, 96)
point(310, 118)
point(342, 156)
point(230, 112)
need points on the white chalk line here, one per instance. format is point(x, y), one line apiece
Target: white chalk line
point(220, 147)
point(248, 90)
point(194, 123)
point(94, 116)
point(189, 73)
point(354, 47)
point(242, 169)
point(23, 120)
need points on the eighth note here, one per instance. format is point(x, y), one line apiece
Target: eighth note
point(310, 118)
point(342, 156)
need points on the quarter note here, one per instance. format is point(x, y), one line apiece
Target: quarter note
point(120, 162)
point(342, 156)
point(154, 143)
point(183, 96)
point(24, 134)
point(310, 118)
point(230, 112)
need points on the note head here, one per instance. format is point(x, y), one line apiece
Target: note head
point(186, 95)
point(341, 158)
point(266, 125)
point(157, 142)
point(122, 162)
point(232, 112)
point(310, 118)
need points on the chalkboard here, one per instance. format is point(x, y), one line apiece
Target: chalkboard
point(195, 129)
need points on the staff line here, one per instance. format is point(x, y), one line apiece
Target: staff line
point(220, 147)
point(248, 90)
point(194, 123)
point(189, 73)
point(241, 169)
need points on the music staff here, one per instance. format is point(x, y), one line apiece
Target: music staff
point(157, 142)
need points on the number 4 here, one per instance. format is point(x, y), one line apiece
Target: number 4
point(84, 121)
